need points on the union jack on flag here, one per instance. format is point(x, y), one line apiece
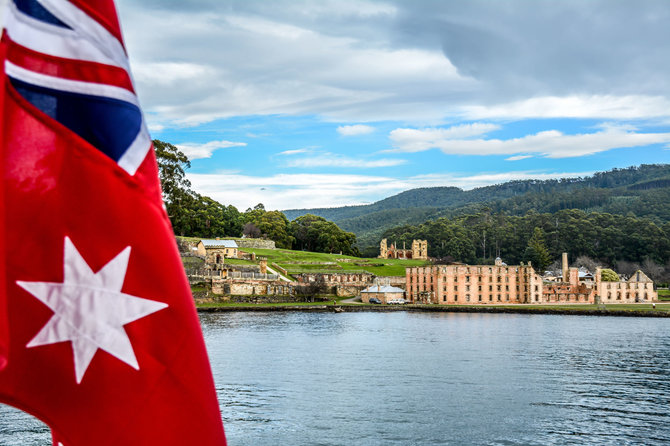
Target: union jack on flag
point(75, 70)
point(99, 337)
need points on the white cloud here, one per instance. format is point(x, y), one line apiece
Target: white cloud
point(155, 127)
point(550, 143)
point(334, 160)
point(418, 140)
point(291, 191)
point(585, 107)
point(196, 151)
point(518, 157)
point(296, 151)
point(355, 130)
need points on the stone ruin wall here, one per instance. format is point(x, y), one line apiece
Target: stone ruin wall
point(254, 243)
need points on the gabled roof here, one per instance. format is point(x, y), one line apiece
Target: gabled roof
point(382, 289)
point(209, 243)
point(639, 276)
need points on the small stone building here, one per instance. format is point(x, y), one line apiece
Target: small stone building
point(384, 293)
point(215, 251)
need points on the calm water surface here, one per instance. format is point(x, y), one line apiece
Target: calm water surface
point(430, 379)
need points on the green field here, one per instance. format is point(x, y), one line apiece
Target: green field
point(296, 262)
point(664, 295)
point(239, 261)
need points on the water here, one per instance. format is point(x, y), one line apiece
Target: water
point(430, 379)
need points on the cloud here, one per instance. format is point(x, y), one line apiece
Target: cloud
point(155, 127)
point(291, 191)
point(518, 157)
point(196, 151)
point(584, 107)
point(550, 143)
point(297, 151)
point(355, 130)
point(410, 61)
point(333, 160)
point(297, 58)
point(419, 140)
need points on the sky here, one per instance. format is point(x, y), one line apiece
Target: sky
point(322, 103)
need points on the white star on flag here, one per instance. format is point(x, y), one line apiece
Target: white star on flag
point(90, 310)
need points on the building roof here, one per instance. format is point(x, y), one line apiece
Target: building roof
point(639, 276)
point(209, 243)
point(382, 289)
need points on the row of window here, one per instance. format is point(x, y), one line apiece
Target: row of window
point(479, 298)
point(630, 285)
point(479, 288)
point(467, 279)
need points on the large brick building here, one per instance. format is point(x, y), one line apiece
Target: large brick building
point(473, 284)
point(520, 284)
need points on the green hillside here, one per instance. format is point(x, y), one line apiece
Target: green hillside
point(642, 191)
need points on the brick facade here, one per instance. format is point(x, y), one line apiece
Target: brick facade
point(519, 284)
point(473, 284)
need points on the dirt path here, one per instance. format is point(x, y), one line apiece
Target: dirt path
point(353, 300)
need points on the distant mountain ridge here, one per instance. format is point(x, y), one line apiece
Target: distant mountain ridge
point(643, 191)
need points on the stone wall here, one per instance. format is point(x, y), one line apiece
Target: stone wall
point(355, 279)
point(256, 243)
point(252, 287)
point(396, 281)
point(348, 291)
point(383, 297)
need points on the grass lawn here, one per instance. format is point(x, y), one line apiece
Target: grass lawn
point(239, 261)
point(296, 262)
point(664, 295)
point(192, 262)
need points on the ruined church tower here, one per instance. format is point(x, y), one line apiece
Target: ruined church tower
point(383, 249)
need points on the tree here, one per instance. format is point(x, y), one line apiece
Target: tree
point(608, 275)
point(537, 252)
point(172, 165)
point(313, 233)
point(177, 194)
point(191, 213)
point(250, 230)
point(653, 270)
point(586, 262)
point(627, 268)
point(272, 224)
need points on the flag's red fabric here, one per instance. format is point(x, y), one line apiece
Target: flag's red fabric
point(4, 328)
point(104, 344)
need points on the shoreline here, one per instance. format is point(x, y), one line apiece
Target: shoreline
point(433, 309)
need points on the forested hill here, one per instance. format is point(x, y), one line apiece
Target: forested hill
point(642, 191)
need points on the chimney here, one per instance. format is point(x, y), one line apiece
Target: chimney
point(565, 267)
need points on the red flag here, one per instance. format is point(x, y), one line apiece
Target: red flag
point(4, 329)
point(104, 344)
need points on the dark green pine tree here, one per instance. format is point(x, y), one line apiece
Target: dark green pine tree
point(537, 252)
